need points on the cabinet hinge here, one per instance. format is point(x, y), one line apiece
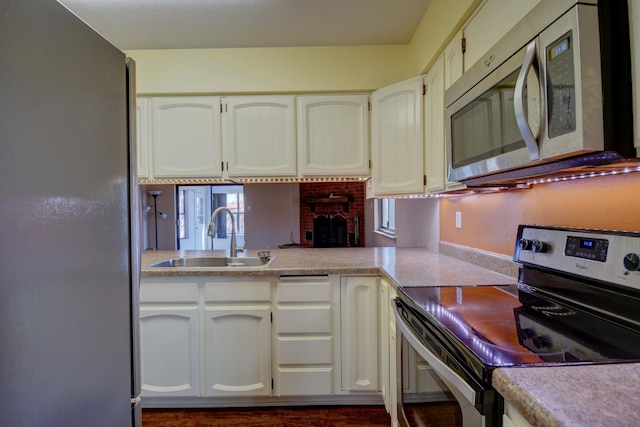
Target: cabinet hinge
point(463, 44)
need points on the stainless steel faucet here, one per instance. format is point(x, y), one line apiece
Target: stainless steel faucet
point(233, 250)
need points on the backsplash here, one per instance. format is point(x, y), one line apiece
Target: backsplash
point(353, 191)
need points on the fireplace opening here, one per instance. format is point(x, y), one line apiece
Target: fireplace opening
point(330, 231)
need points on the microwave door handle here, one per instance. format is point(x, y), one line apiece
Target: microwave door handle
point(518, 101)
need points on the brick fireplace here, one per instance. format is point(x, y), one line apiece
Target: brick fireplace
point(332, 200)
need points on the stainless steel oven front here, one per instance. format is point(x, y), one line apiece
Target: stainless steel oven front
point(432, 384)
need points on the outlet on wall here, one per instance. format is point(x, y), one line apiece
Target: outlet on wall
point(458, 219)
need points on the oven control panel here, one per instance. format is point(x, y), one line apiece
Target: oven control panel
point(605, 255)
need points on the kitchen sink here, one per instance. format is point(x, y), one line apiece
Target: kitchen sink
point(215, 262)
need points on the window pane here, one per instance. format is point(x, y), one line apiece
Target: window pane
point(386, 215)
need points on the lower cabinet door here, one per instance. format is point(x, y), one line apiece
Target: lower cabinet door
point(359, 328)
point(169, 351)
point(237, 351)
point(304, 366)
point(304, 381)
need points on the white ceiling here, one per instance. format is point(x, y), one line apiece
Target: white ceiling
point(193, 24)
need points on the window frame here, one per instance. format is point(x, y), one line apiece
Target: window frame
point(385, 210)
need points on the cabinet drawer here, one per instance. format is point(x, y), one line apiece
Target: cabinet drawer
point(179, 292)
point(304, 381)
point(240, 290)
point(316, 289)
point(304, 320)
point(304, 351)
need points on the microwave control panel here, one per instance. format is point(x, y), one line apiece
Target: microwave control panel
point(561, 92)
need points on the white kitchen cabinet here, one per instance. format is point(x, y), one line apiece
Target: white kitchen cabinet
point(186, 137)
point(434, 126)
point(259, 136)
point(169, 330)
point(237, 351)
point(237, 336)
point(453, 64)
point(142, 137)
point(385, 314)
point(303, 340)
point(489, 23)
point(333, 135)
point(168, 338)
point(359, 333)
point(393, 357)
point(397, 139)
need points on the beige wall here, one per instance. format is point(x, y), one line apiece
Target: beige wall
point(490, 221)
point(300, 69)
point(439, 24)
point(269, 70)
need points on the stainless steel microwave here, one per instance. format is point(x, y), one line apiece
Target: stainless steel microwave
point(554, 94)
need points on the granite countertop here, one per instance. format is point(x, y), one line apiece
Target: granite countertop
point(574, 396)
point(403, 266)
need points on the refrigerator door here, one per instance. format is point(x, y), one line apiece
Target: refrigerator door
point(65, 266)
point(135, 245)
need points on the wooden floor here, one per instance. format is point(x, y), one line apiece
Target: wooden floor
point(431, 415)
point(335, 416)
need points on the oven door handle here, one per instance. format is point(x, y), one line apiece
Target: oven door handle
point(436, 364)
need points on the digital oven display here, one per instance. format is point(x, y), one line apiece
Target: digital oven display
point(587, 248)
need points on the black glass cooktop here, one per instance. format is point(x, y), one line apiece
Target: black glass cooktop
point(496, 326)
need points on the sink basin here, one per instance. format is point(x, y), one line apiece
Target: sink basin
point(225, 262)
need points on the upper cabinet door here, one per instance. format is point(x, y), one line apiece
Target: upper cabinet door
point(492, 20)
point(434, 127)
point(333, 135)
point(453, 60)
point(259, 136)
point(396, 138)
point(186, 137)
point(142, 136)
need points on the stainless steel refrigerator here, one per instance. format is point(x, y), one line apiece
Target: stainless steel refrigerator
point(69, 261)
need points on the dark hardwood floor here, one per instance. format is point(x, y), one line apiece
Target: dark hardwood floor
point(321, 416)
point(440, 414)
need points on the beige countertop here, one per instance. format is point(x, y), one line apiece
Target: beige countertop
point(576, 396)
point(404, 266)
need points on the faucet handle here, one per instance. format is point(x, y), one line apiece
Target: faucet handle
point(240, 249)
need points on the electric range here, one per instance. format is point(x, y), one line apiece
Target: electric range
point(576, 302)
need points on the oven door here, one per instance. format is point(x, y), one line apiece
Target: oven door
point(428, 389)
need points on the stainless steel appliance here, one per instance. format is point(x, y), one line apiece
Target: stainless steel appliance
point(69, 265)
point(575, 302)
point(553, 96)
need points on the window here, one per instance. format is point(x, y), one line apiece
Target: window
point(386, 216)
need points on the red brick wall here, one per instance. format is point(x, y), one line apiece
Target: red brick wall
point(355, 190)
